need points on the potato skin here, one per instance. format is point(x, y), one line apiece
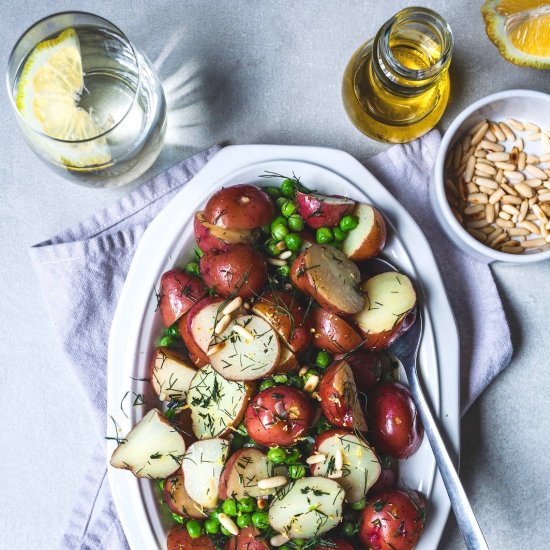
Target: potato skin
point(179, 539)
point(178, 292)
point(249, 538)
point(213, 237)
point(332, 333)
point(340, 545)
point(241, 271)
point(374, 242)
point(279, 416)
point(393, 520)
point(367, 368)
point(395, 425)
point(318, 211)
point(198, 357)
point(176, 498)
point(387, 480)
point(241, 206)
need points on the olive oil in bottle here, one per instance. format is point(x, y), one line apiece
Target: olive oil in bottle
point(396, 86)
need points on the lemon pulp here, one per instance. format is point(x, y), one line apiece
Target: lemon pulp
point(47, 96)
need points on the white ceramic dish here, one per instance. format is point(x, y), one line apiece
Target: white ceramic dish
point(526, 105)
point(169, 240)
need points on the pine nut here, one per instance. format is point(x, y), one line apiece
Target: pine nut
point(279, 540)
point(497, 130)
point(498, 156)
point(531, 226)
point(479, 133)
point(222, 324)
point(544, 158)
point(477, 215)
point(280, 246)
point(501, 238)
point(285, 255)
point(480, 154)
point(505, 165)
point(315, 459)
point(486, 190)
point(477, 234)
point(486, 168)
point(472, 187)
point(302, 371)
point(533, 243)
point(477, 126)
point(534, 183)
point(504, 223)
point(531, 127)
point(228, 523)
point(522, 161)
point(272, 482)
point(492, 236)
point(518, 232)
point(532, 137)
point(515, 124)
point(485, 230)
point(510, 209)
point(496, 196)
point(523, 209)
point(470, 166)
point(489, 135)
point(489, 212)
point(475, 208)
point(539, 213)
point(508, 189)
point(536, 172)
point(507, 131)
point(466, 142)
point(512, 249)
point(478, 198)
point(276, 261)
point(232, 306)
point(246, 305)
point(519, 144)
point(215, 349)
point(490, 146)
point(499, 178)
point(511, 199)
point(504, 216)
point(514, 154)
point(457, 155)
point(311, 383)
point(486, 182)
point(544, 197)
point(241, 331)
point(475, 224)
point(533, 159)
point(525, 190)
point(512, 176)
point(545, 141)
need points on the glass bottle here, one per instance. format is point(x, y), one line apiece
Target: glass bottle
point(396, 86)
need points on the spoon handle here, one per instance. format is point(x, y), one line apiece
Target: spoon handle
point(467, 522)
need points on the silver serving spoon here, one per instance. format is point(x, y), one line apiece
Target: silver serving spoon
point(405, 348)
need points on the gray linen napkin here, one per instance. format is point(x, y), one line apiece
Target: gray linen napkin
point(82, 271)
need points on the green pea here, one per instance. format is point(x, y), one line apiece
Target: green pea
point(299, 542)
point(173, 331)
point(280, 201)
point(359, 505)
point(279, 220)
point(193, 269)
point(273, 191)
point(271, 247)
point(166, 342)
point(288, 188)
point(349, 529)
point(230, 507)
point(266, 384)
point(225, 531)
point(324, 235)
point(310, 373)
point(280, 379)
point(293, 456)
point(199, 253)
point(194, 528)
point(293, 242)
point(323, 359)
point(288, 208)
point(296, 222)
point(260, 520)
point(348, 222)
point(244, 521)
point(339, 235)
point(296, 381)
point(284, 271)
point(276, 455)
point(212, 527)
point(285, 547)
point(296, 471)
point(246, 505)
point(279, 232)
point(177, 518)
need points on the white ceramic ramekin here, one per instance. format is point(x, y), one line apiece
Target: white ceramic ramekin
point(523, 105)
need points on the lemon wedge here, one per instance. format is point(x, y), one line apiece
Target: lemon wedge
point(47, 96)
point(520, 29)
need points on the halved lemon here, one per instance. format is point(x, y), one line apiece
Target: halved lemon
point(520, 29)
point(47, 97)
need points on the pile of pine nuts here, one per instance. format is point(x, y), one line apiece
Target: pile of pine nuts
point(499, 192)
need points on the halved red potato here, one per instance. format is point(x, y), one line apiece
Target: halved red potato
point(251, 538)
point(284, 312)
point(387, 480)
point(240, 271)
point(239, 207)
point(202, 467)
point(336, 544)
point(250, 349)
point(180, 539)
point(216, 404)
point(367, 368)
point(360, 467)
point(202, 319)
point(197, 356)
point(389, 298)
point(183, 422)
point(308, 508)
point(214, 237)
point(332, 333)
point(242, 472)
point(339, 400)
point(329, 277)
point(177, 499)
point(369, 237)
point(288, 362)
point(321, 210)
point(392, 520)
point(178, 292)
point(279, 416)
point(153, 448)
point(170, 374)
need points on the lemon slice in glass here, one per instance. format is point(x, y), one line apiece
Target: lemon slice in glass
point(47, 97)
point(520, 29)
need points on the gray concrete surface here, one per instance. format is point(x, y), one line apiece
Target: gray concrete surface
point(250, 72)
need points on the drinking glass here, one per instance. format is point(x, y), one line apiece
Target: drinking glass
point(121, 100)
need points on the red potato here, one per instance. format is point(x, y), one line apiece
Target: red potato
point(288, 363)
point(239, 207)
point(330, 278)
point(241, 271)
point(321, 210)
point(170, 374)
point(177, 499)
point(389, 299)
point(202, 318)
point(250, 538)
point(178, 292)
point(197, 356)
point(392, 520)
point(332, 333)
point(367, 368)
point(279, 416)
point(395, 425)
point(339, 400)
point(283, 311)
point(213, 237)
point(369, 237)
point(387, 480)
point(338, 544)
point(183, 422)
point(179, 539)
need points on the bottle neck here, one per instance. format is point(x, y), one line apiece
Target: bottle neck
point(412, 51)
